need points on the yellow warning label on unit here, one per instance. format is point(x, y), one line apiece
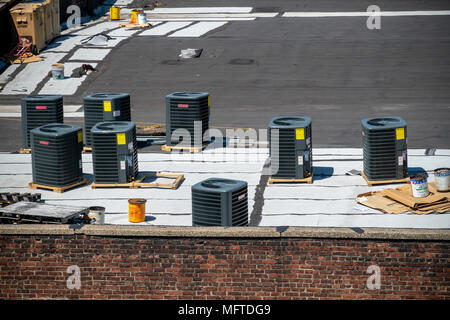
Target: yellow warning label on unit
point(107, 105)
point(80, 136)
point(400, 133)
point(121, 138)
point(300, 134)
point(209, 101)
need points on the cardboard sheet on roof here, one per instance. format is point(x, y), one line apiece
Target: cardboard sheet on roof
point(400, 200)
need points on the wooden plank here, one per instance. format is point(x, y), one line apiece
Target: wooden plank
point(308, 180)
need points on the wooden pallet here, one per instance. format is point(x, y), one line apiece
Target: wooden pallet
point(141, 182)
point(308, 180)
point(375, 182)
point(33, 185)
point(191, 149)
point(87, 149)
point(25, 150)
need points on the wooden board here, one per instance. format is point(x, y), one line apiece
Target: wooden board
point(33, 185)
point(375, 182)
point(134, 25)
point(178, 178)
point(187, 148)
point(87, 149)
point(25, 150)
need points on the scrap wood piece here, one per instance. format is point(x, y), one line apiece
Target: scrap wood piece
point(27, 59)
point(134, 25)
point(153, 130)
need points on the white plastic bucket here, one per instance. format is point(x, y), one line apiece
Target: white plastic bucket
point(58, 71)
point(142, 18)
point(97, 214)
point(419, 186)
point(442, 179)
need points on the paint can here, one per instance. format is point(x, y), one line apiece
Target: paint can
point(134, 15)
point(136, 210)
point(58, 71)
point(97, 214)
point(442, 179)
point(419, 186)
point(114, 13)
point(142, 18)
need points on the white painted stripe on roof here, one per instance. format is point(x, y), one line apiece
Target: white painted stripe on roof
point(165, 28)
point(68, 85)
point(5, 76)
point(202, 19)
point(26, 81)
point(202, 10)
point(214, 15)
point(90, 54)
point(64, 43)
point(429, 221)
point(102, 27)
point(365, 14)
point(198, 29)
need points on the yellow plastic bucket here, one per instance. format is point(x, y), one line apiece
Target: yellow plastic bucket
point(136, 210)
point(134, 15)
point(114, 13)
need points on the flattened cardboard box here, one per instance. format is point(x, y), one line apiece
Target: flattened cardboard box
point(400, 200)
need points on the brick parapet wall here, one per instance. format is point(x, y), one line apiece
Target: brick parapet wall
point(220, 265)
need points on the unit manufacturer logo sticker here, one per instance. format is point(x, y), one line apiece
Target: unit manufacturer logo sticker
point(182, 105)
point(45, 143)
point(41, 107)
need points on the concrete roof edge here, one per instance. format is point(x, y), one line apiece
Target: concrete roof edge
point(230, 232)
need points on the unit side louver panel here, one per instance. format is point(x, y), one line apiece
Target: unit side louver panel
point(220, 202)
point(56, 154)
point(384, 148)
point(114, 152)
point(39, 110)
point(240, 207)
point(207, 207)
point(101, 107)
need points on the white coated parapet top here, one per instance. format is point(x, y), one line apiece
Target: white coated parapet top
point(328, 202)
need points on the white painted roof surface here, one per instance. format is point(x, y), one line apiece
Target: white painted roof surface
point(328, 202)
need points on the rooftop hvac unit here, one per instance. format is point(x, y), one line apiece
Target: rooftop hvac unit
point(39, 110)
point(291, 150)
point(101, 107)
point(220, 202)
point(384, 148)
point(114, 152)
point(56, 154)
point(183, 109)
